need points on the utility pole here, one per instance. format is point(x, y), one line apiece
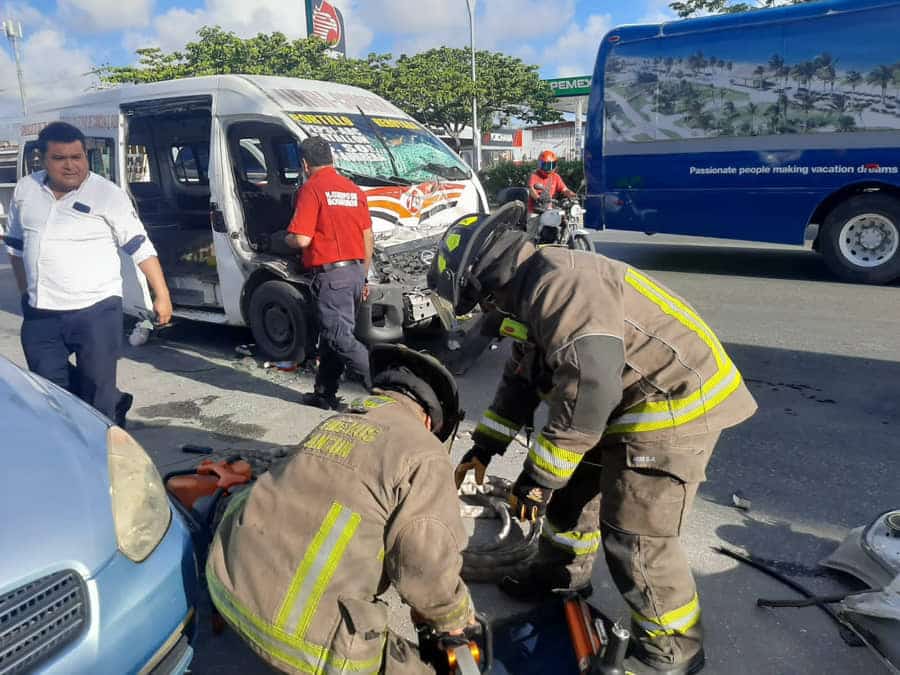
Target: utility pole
point(476, 132)
point(13, 30)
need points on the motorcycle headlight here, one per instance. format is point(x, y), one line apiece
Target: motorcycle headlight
point(140, 507)
point(552, 218)
point(576, 211)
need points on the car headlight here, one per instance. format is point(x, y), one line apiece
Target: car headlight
point(140, 505)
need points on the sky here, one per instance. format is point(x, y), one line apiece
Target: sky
point(65, 39)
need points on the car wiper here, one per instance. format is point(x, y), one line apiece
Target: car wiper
point(445, 171)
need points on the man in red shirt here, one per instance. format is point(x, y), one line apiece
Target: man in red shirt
point(333, 228)
point(546, 176)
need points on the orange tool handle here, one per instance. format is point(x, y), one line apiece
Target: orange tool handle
point(579, 631)
point(229, 474)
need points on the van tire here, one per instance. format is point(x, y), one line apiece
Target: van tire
point(872, 218)
point(278, 321)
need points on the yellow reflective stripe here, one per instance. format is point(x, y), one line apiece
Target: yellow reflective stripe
point(666, 414)
point(497, 427)
point(459, 611)
point(552, 458)
point(311, 604)
point(309, 558)
point(573, 541)
point(305, 656)
point(679, 620)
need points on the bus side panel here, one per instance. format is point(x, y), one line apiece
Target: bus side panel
point(756, 196)
point(742, 132)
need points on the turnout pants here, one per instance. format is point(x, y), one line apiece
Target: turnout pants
point(643, 511)
point(92, 334)
point(338, 293)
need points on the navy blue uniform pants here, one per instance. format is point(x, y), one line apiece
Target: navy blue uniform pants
point(92, 334)
point(338, 293)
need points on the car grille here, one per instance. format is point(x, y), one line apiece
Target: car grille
point(38, 619)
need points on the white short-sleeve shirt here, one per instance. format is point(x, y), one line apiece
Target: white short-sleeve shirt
point(70, 245)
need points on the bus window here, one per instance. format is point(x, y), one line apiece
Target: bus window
point(191, 163)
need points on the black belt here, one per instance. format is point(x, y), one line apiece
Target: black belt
point(335, 265)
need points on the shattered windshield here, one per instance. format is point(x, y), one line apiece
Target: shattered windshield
point(384, 150)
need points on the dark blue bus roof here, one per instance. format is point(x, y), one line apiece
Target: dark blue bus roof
point(632, 33)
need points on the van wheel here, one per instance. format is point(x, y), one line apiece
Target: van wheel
point(278, 322)
point(860, 240)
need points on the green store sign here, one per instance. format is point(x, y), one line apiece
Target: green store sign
point(570, 86)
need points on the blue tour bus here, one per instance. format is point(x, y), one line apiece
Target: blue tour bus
point(769, 126)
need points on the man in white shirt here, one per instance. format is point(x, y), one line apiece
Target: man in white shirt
point(66, 226)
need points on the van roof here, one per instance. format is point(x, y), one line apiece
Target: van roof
point(271, 94)
point(741, 19)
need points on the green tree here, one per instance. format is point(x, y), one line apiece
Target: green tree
point(882, 76)
point(687, 8)
point(436, 88)
point(804, 72)
point(854, 78)
point(846, 123)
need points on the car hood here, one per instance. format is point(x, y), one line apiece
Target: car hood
point(54, 487)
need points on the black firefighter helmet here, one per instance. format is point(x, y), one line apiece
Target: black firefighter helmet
point(421, 376)
point(460, 250)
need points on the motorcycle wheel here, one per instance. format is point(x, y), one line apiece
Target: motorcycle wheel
point(581, 243)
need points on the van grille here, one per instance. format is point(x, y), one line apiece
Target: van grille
point(38, 619)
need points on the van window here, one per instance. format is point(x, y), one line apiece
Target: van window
point(137, 164)
point(101, 155)
point(191, 163)
point(288, 154)
point(252, 163)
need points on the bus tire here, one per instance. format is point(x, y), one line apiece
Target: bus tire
point(278, 321)
point(860, 239)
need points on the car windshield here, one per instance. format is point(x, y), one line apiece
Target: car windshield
point(384, 149)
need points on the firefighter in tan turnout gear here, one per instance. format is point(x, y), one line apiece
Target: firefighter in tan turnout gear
point(636, 382)
point(366, 501)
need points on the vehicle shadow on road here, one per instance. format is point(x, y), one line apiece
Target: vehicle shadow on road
point(733, 261)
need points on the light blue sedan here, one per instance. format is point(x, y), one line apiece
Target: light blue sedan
point(97, 570)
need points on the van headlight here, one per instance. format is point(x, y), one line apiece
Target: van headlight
point(140, 506)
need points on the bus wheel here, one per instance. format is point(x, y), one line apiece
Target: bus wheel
point(860, 240)
point(278, 322)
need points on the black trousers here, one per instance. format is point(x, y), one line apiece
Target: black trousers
point(338, 293)
point(92, 334)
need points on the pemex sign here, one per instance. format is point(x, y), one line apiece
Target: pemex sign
point(580, 85)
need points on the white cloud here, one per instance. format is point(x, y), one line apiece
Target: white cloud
point(176, 27)
point(105, 15)
point(54, 69)
point(657, 11)
point(575, 51)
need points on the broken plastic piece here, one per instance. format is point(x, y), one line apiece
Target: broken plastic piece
point(740, 501)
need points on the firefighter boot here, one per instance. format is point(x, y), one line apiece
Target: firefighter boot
point(650, 655)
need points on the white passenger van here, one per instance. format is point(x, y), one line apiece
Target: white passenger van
point(213, 165)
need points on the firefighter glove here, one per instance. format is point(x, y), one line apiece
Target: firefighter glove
point(477, 458)
point(528, 499)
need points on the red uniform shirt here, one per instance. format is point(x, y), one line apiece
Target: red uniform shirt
point(552, 182)
point(335, 213)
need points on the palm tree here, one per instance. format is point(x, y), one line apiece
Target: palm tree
point(807, 101)
point(826, 68)
point(752, 110)
point(854, 79)
point(882, 76)
point(776, 63)
point(805, 72)
point(840, 103)
point(783, 103)
point(729, 110)
point(773, 114)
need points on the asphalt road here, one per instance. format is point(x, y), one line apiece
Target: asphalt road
point(820, 457)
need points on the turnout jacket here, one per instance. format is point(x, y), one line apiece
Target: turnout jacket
point(366, 501)
point(613, 352)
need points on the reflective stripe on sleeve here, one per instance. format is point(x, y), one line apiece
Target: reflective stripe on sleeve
point(675, 412)
point(576, 543)
point(497, 427)
point(678, 621)
point(552, 458)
